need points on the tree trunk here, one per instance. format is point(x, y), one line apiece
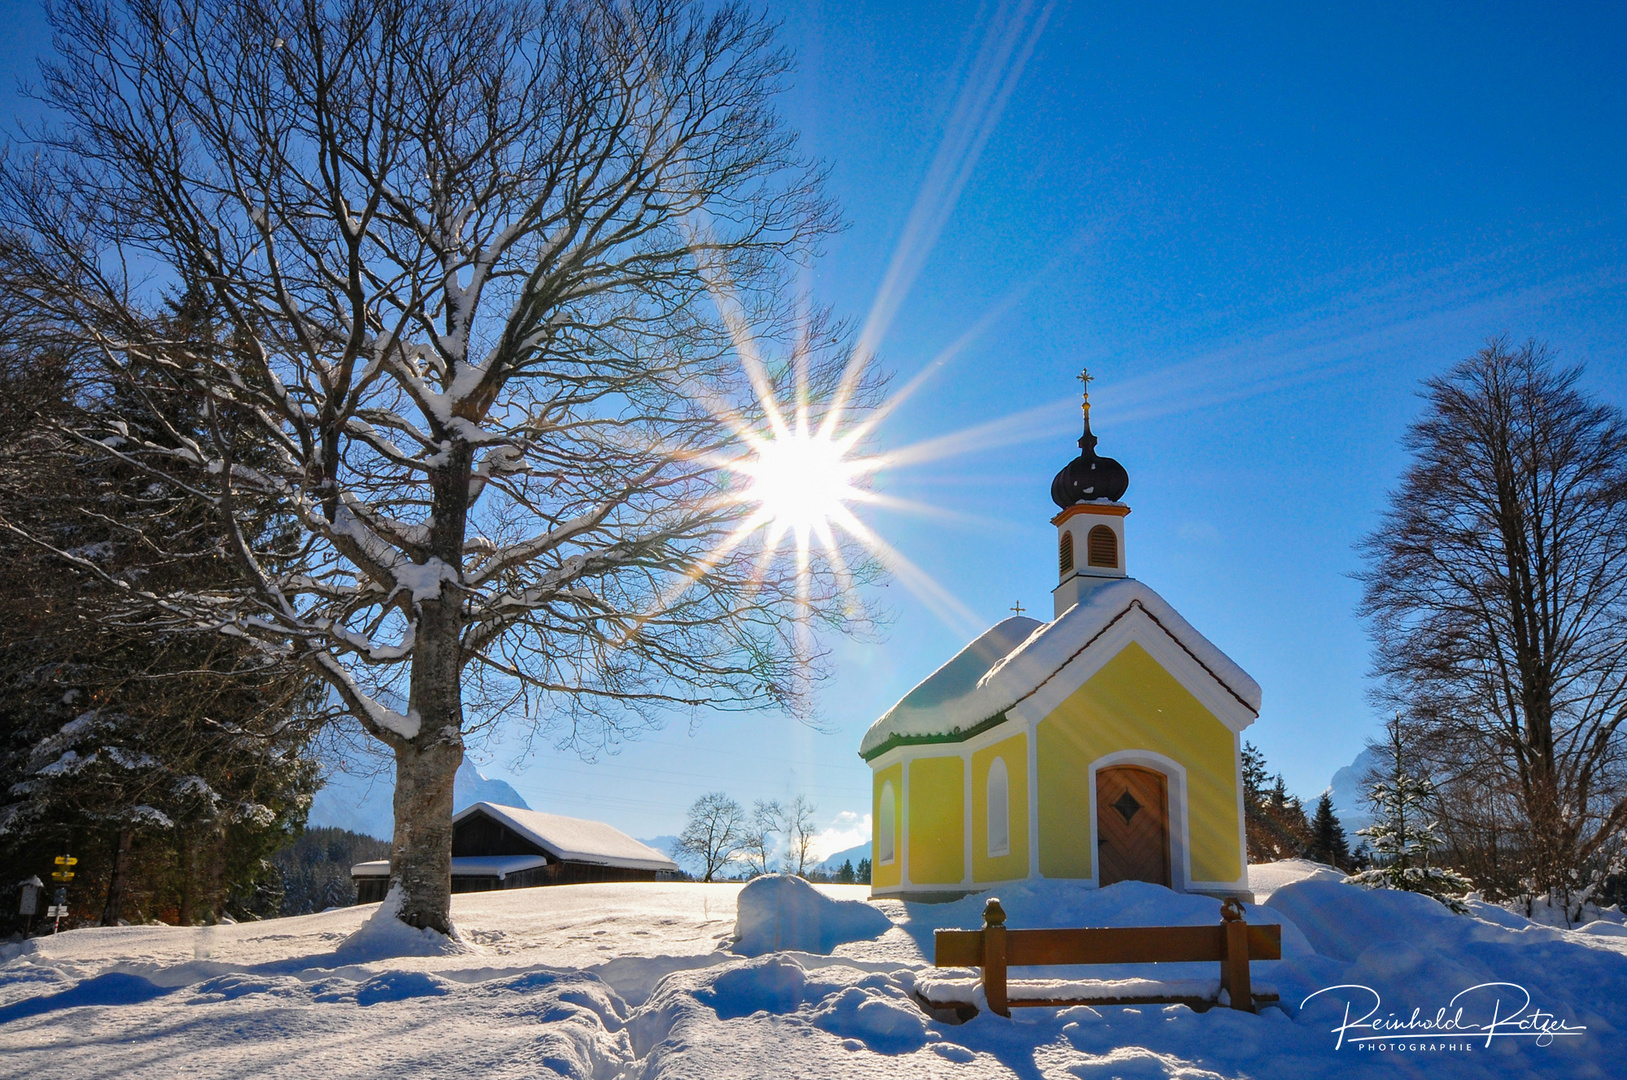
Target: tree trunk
point(189, 878)
point(214, 874)
point(421, 856)
point(115, 879)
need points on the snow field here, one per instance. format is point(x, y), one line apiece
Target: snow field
point(639, 981)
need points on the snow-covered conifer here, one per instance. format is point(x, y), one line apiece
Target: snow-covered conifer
point(1403, 832)
point(174, 762)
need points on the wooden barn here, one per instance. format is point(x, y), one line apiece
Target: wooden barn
point(506, 847)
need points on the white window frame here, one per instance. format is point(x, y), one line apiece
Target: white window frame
point(999, 845)
point(886, 826)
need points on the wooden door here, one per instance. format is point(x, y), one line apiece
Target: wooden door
point(1132, 825)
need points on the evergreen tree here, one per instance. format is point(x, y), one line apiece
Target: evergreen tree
point(315, 868)
point(846, 874)
point(1328, 842)
point(171, 763)
point(863, 872)
point(1403, 833)
point(1275, 822)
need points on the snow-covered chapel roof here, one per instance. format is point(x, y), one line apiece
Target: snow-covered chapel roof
point(1015, 657)
point(574, 839)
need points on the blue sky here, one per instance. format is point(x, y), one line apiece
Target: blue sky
point(1260, 225)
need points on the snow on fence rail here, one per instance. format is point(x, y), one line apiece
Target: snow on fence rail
point(994, 948)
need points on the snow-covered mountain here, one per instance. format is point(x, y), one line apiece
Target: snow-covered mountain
point(1350, 793)
point(662, 843)
point(857, 852)
point(358, 803)
point(472, 786)
point(362, 803)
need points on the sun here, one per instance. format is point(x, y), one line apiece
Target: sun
point(801, 481)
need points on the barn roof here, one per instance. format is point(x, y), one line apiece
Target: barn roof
point(574, 839)
point(1015, 657)
point(497, 866)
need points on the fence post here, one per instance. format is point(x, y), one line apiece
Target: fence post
point(994, 957)
point(1234, 975)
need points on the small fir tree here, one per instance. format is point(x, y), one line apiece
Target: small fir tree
point(863, 872)
point(1402, 834)
point(1328, 842)
point(845, 874)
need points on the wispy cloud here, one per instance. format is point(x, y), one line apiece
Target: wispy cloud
point(848, 830)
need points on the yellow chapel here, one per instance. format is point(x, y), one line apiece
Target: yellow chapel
point(1102, 746)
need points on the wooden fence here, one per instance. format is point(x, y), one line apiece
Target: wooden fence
point(995, 948)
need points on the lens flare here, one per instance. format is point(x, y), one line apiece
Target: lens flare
point(804, 481)
point(801, 480)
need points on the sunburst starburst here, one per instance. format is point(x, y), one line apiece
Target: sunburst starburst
point(802, 481)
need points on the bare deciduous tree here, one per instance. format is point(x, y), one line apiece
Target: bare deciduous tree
point(799, 834)
point(714, 833)
point(758, 843)
point(484, 276)
point(1497, 593)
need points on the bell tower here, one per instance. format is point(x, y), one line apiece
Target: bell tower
point(1090, 528)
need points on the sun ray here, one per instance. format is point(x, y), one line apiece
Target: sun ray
point(927, 510)
point(1009, 40)
point(694, 572)
point(939, 600)
point(1030, 425)
point(935, 366)
point(799, 472)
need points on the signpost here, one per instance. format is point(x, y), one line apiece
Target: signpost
point(28, 903)
point(62, 875)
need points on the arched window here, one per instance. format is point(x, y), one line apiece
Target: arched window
point(1064, 553)
point(1103, 546)
point(999, 809)
point(885, 826)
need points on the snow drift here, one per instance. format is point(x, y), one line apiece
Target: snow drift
point(782, 912)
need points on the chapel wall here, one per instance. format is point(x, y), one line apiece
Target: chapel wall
point(1014, 751)
point(1132, 703)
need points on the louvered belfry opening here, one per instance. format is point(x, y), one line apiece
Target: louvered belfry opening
point(1103, 547)
point(1064, 553)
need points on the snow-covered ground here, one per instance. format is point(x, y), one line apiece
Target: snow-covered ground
point(638, 981)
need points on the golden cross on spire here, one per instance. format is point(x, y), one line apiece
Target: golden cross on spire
point(1086, 378)
point(1017, 607)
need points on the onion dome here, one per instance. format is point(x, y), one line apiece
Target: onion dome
point(1089, 477)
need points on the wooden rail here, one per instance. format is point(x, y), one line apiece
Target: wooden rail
point(994, 949)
